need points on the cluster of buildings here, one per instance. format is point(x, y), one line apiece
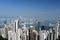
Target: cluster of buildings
point(17, 30)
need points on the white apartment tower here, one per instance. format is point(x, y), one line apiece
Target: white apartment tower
point(11, 35)
point(16, 26)
point(56, 29)
point(16, 29)
point(14, 35)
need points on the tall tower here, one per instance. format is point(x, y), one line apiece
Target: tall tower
point(50, 34)
point(16, 26)
point(38, 29)
point(56, 29)
point(16, 29)
point(24, 32)
point(33, 34)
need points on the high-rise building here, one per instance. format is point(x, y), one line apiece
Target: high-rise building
point(16, 29)
point(50, 35)
point(56, 29)
point(43, 34)
point(33, 34)
point(37, 26)
point(11, 35)
point(16, 26)
point(19, 34)
point(5, 31)
point(24, 32)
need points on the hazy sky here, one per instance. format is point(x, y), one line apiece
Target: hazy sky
point(45, 10)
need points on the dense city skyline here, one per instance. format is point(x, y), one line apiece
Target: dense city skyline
point(43, 9)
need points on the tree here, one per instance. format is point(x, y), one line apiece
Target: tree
point(1, 38)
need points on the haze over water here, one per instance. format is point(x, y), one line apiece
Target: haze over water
point(43, 9)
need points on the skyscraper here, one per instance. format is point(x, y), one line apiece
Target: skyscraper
point(16, 29)
point(11, 35)
point(24, 32)
point(38, 27)
point(56, 29)
point(33, 34)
